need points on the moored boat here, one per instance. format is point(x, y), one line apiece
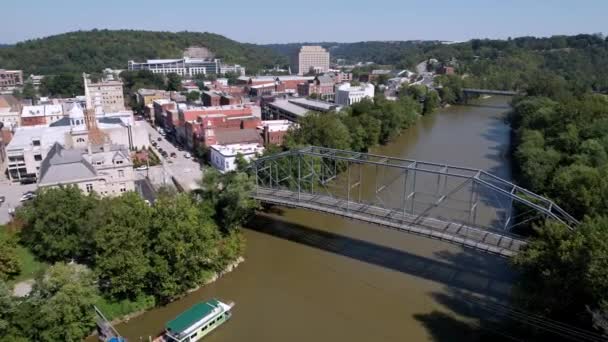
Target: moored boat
point(196, 322)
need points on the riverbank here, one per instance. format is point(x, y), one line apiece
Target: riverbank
point(215, 277)
point(319, 269)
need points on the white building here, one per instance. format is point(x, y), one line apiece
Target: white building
point(183, 66)
point(104, 96)
point(223, 157)
point(347, 94)
point(310, 58)
point(106, 170)
point(235, 69)
point(10, 111)
point(44, 114)
point(31, 144)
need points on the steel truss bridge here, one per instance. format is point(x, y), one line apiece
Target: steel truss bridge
point(473, 91)
point(461, 205)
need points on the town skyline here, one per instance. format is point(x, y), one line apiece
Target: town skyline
point(408, 20)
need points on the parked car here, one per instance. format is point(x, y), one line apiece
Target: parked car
point(29, 180)
point(2, 199)
point(173, 155)
point(159, 139)
point(187, 155)
point(27, 197)
point(154, 143)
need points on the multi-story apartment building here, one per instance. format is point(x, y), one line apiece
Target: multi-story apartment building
point(10, 79)
point(185, 66)
point(105, 96)
point(310, 59)
point(106, 170)
point(347, 94)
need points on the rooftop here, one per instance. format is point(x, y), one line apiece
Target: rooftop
point(287, 106)
point(189, 317)
point(317, 105)
point(236, 136)
point(234, 149)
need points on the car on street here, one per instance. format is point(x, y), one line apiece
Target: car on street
point(159, 139)
point(142, 168)
point(173, 155)
point(187, 155)
point(27, 196)
point(29, 180)
point(2, 199)
point(154, 143)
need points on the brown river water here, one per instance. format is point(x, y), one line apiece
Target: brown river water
point(315, 277)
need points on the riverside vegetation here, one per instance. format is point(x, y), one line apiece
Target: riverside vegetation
point(120, 253)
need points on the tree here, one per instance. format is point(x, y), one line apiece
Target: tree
point(232, 77)
point(183, 246)
point(322, 130)
point(29, 92)
point(10, 265)
point(7, 308)
point(240, 162)
point(174, 82)
point(56, 227)
point(193, 96)
point(121, 260)
point(563, 272)
point(228, 194)
point(62, 301)
point(235, 206)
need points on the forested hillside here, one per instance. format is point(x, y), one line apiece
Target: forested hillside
point(92, 51)
point(502, 64)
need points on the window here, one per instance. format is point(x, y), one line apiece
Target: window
point(193, 335)
point(36, 142)
point(118, 162)
point(121, 173)
point(89, 187)
point(79, 140)
point(123, 187)
point(37, 157)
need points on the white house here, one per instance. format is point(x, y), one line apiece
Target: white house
point(347, 94)
point(223, 157)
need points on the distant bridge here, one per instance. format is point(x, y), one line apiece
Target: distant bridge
point(460, 205)
point(474, 91)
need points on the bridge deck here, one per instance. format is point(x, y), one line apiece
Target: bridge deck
point(491, 242)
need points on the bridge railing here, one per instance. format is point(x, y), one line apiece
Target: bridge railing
point(415, 188)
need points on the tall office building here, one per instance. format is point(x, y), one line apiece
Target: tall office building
point(104, 96)
point(310, 58)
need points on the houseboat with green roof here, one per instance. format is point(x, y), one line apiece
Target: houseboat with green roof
point(196, 322)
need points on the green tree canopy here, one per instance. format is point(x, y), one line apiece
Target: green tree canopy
point(122, 243)
point(56, 226)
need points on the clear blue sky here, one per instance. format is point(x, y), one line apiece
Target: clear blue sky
point(274, 21)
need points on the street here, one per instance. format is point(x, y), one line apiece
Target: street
point(185, 170)
point(12, 193)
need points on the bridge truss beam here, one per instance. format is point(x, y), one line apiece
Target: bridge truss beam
point(417, 192)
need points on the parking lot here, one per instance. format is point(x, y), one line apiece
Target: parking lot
point(12, 193)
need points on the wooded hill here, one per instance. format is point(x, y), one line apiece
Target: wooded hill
point(92, 51)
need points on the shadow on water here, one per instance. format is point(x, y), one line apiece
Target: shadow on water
point(483, 275)
point(470, 320)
